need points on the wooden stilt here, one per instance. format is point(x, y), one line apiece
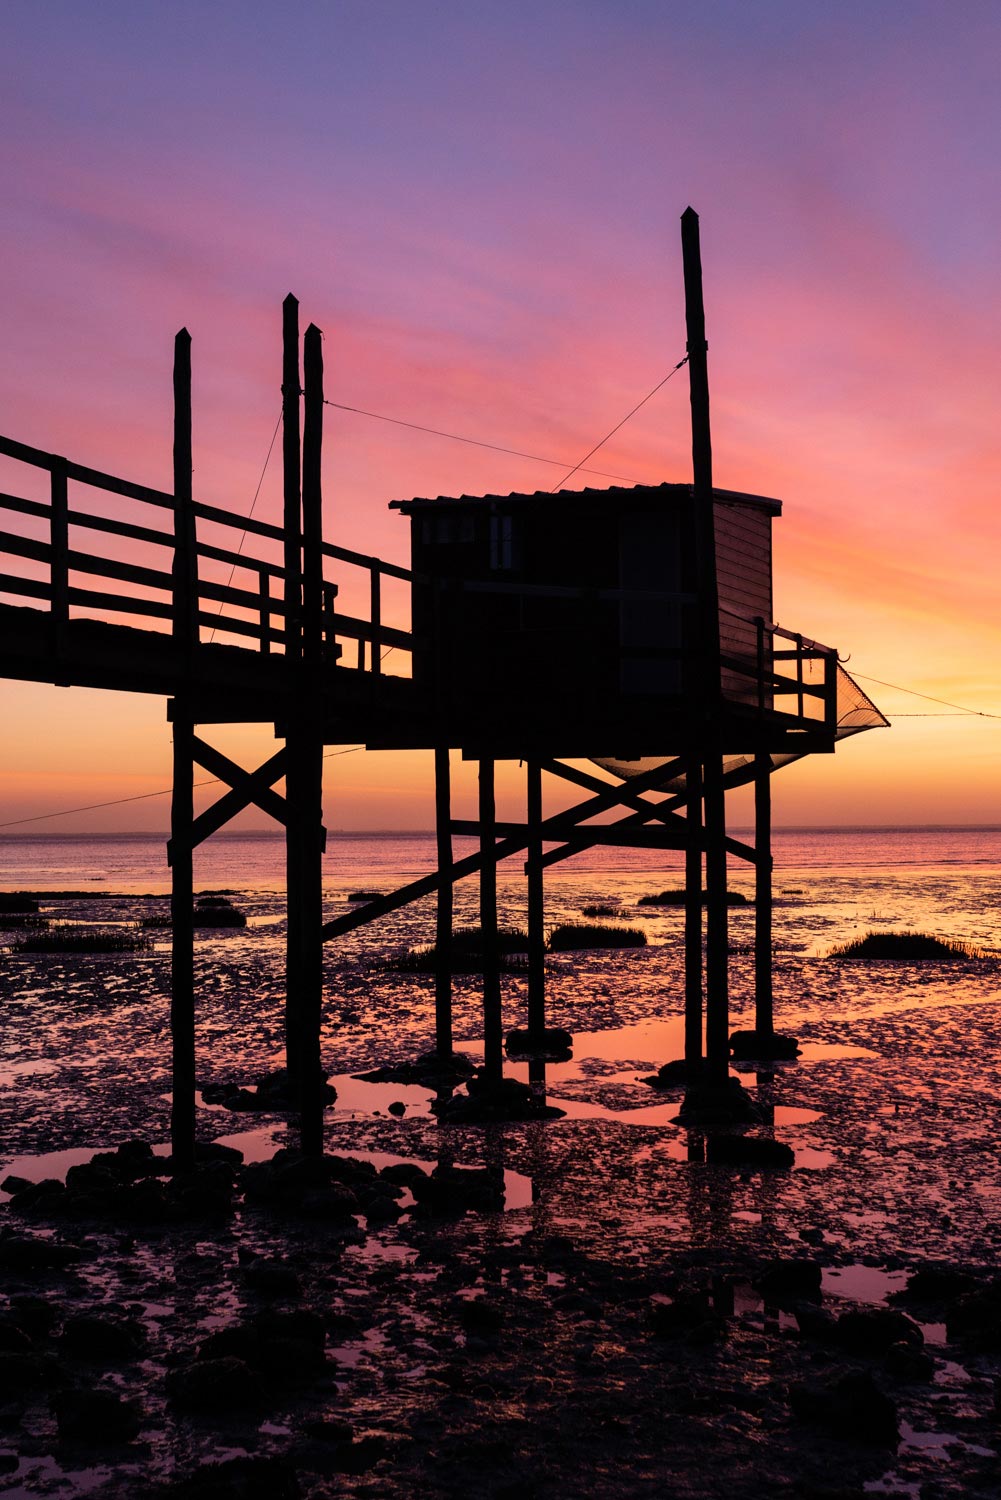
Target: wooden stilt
point(693, 914)
point(304, 790)
point(443, 932)
point(536, 907)
point(764, 1022)
point(717, 937)
point(182, 980)
point(493, 1042)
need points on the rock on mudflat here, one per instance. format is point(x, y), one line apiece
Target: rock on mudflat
point(207, 1386)
point(793, 1280)
point(431, 1069)
point(488, 1100)
point(459, 1190)
point(239, 1479)
point(96, 1417)
point(552, 1043)
point(747, 1151)
point(729, 1103)
point(873, 1330)
point(93, 1336)
point(677, 1074)
point(763, 1046)
point(27, 1256)
point(852, 1407)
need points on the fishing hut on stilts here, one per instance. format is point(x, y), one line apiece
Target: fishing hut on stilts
point(627, 628)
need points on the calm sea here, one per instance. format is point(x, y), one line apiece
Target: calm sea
point(137, 862)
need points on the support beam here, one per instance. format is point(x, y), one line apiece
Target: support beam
point(182, 955)
point(443, 930)
point(536, 905)
point(493, 1042)
point(693, 916)
point(764, 1023)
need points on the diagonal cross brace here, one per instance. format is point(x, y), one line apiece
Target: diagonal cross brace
point(246, 788)
point(611, 796)
point(663, 811)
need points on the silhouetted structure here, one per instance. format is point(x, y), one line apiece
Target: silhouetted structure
point(630, 626)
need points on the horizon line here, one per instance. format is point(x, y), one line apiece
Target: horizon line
point(276, 835)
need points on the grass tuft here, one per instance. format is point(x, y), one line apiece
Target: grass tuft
point(71, 939)
point(463, 961)
point(364, 895)
point(904, 945)
point(572, 935)
point(13, 901)
point(599, 911)
point(217, 912)
point(676, 897)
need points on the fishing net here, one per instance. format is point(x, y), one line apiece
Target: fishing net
point(856, 712)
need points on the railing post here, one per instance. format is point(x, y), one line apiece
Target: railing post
point(329, 629)
point(799, 676)
point(831, 691)
point(376, 613)
point(59, 555)
point(185, 569)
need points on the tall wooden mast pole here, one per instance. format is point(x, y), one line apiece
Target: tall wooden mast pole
point(304, 781)
point(292, 521)
point(717, 999)
point(180, 848)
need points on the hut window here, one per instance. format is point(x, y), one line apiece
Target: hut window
point(447, 529)
point(501, 547)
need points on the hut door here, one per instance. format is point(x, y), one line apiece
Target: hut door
point(649, 628)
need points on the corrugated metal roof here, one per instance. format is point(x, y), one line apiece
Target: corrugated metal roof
point(593, 496)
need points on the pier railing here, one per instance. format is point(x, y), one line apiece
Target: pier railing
point(39, 565)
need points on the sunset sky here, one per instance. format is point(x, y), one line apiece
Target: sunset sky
point(479, 205)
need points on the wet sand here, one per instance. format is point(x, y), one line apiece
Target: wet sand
point(618, 1328)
